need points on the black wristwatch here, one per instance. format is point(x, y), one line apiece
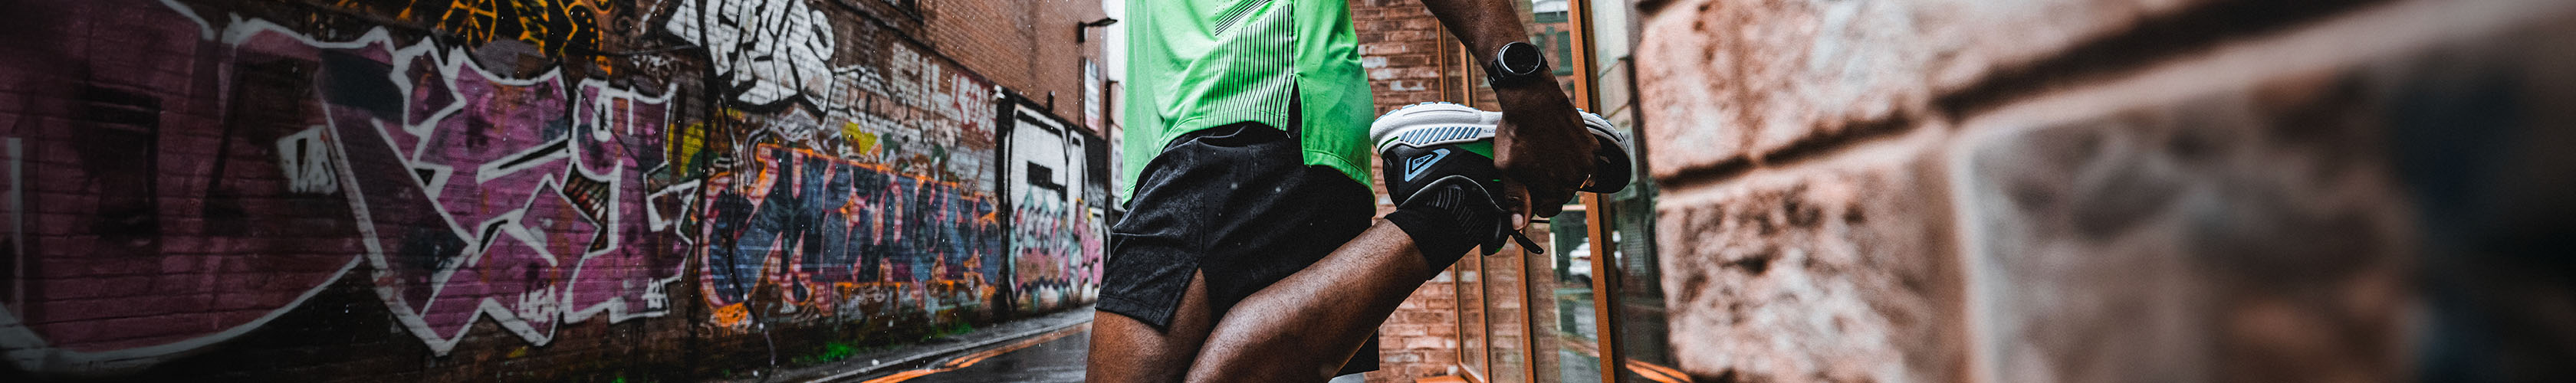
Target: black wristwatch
point(1517, 64)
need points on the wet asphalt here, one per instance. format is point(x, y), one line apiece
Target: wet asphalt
point(1037, 359)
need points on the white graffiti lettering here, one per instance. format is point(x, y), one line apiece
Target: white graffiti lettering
point(307, 163)
point(769, 51)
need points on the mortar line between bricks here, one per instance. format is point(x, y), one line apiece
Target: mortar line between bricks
point(1806, 149)
point(1900, 146)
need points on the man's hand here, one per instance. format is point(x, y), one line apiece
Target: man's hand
point(1542, 145)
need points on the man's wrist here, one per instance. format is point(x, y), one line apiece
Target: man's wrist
point(1517, 64)
point(1545, 96)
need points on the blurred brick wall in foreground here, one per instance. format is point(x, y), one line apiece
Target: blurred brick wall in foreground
point(2192, 190)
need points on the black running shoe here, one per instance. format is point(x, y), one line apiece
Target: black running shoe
point(1439, 163)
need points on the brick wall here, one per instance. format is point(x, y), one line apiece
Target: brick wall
point(1400, 44)
point(1025, 45)
point(1421, 339)
point(2112, 190)
point(262, 190)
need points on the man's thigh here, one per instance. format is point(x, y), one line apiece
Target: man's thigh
point(1124, 349)
point(1234, 205)
point(1220, 214)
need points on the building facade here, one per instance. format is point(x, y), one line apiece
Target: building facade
point(533, 190)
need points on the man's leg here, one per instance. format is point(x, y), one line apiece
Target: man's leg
point(1124, 349)
point(1302, 328)
point(1218, 215)
point(1451, 199)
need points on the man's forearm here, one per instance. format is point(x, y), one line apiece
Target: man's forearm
point(1541, 143)
point(1481, 25)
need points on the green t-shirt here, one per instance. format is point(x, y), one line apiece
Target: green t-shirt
point(1197, 64)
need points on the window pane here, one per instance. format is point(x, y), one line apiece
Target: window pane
point(1471, 315)
point(1506, 313)
point(1638, 298)
point(1552, 28)
point(1569, 335)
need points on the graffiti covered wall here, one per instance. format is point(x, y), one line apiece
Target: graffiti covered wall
point(1057, 234)
point(580, 175)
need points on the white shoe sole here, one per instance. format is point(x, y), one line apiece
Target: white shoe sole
point(1437, 123)
point(1432, 123)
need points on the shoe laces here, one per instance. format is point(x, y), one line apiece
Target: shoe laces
point(1527, 244)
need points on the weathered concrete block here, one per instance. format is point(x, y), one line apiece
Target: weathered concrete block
point(1838, 273)
point(2252, 234)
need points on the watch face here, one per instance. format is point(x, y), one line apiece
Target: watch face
point(1520, 59)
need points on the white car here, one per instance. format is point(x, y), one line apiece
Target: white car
point(1580, 266)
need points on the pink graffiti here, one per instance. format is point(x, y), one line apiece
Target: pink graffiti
point(535, 193)
point(1057, 252)
point(203, 179)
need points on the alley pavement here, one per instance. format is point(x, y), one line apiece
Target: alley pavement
point(1048, 358)
point(1037, 343)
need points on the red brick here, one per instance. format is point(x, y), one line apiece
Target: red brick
point(2216, 224)
point(1029, 49)
point(1816, 275)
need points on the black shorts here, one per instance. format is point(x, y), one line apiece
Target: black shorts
point(1239, 204)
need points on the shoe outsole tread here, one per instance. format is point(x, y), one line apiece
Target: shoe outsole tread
point(1441, 123)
